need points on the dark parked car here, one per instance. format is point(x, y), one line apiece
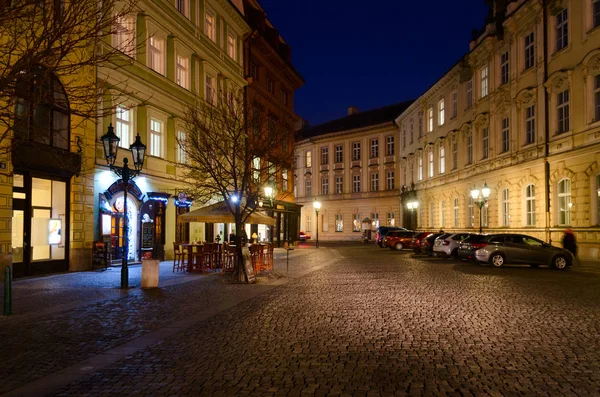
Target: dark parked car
point(427, 243)
point(500, 249)
point(382, 231)
point(398, 239)
point(467, 247)
point(415, 243)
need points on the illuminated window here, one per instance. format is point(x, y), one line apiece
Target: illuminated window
point(325, 186)
point(210, 26)
point(339, 185)
point(308, 159)
point(505, 207)
point(123, 124)
point(324, 155)
point(356, 223)
point(210, 93)
point(564, 202)
point(356, 151)
point(391, 180)
point(484, 81)
point(232, 45)
point(441, 112)
point(455, 212)
point(181, 142)
point(530, 205)
point(391, 220)
point(374, 147)
point(156, 137)
point(430, 120)
point(339, 223)
point(183, 75)
point(430, 163)
point(470, 213)
point(356, 183)
point(339, 153)
point(125, 35)
point(156, 55)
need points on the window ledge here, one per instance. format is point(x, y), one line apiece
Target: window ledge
point(563, 50)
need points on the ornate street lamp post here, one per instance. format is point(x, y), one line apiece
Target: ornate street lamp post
point(110, 143)
point(270, 195)
point(317, 205)
point(481, 197)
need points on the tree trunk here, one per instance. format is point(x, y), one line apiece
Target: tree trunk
point(241, 271)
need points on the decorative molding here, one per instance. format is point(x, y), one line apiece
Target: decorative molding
point(559, 81)
point(526, 97)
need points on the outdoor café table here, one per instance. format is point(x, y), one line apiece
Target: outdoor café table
point(190, 254)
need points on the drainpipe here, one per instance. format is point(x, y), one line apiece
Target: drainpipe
point(546, 120)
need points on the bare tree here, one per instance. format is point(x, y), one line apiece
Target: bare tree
point(232, 160)
point(41, 40)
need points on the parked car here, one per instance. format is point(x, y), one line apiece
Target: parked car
point(303, 236)
point(448, 246)
point(415, 243)
point(398, 239)
point(467, 247)
point(427, 243)
point(382, 231)
point(500, 249)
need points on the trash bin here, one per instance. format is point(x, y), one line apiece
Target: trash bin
point(150, 269)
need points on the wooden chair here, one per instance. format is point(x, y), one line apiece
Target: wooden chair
point(229, 259)
point(179, 257)
point(268, 256)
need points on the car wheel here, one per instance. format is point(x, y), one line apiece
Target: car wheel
point(559, 262)
point(497, 260)
point(399, 247)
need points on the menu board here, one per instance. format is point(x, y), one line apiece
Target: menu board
point(148, 235)
point(101, 254)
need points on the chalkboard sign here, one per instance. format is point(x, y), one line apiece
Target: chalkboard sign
point(147, 235)
point(101, 255)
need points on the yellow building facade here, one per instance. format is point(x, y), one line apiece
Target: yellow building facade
point(350, 166)
point(521, 113)
point(174, 53)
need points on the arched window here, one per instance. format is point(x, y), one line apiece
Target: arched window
point(42, 109)
point(530, 205)
point(564, 202)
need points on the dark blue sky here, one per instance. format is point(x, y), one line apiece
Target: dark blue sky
point(370, 53)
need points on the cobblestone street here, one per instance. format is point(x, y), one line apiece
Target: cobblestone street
point(349, 320)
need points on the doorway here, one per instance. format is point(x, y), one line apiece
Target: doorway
point(117, 236)
point(40, 224)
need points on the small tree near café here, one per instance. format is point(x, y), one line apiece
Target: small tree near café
point(230, 159)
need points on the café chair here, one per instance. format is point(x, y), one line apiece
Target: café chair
point(178, 257)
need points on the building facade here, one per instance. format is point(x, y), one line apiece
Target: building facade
point(350, 166)
point(272, 82)
point(173, 53)
point(521, 113)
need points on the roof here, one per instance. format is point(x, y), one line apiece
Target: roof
point(361, 119)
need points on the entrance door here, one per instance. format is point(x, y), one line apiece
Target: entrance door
point(116, 232)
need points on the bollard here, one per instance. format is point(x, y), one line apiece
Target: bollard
point(7, 291)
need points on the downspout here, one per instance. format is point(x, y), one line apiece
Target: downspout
point(546, 120)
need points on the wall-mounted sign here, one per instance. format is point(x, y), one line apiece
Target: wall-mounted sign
point(54, 231)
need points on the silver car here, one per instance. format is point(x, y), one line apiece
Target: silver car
point(449, 245)
point(500, 249)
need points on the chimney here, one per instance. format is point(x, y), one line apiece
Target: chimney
point(352, 110)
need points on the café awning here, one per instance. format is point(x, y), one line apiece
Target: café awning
point(220, 213)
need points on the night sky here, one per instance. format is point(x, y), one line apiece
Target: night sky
point(370, 53)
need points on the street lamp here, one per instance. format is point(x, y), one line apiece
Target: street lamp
point(270, 195)
point(317, 205)
point(481, 198)
point(110, 143)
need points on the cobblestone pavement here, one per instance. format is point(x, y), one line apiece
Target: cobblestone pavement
point(351, 320)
